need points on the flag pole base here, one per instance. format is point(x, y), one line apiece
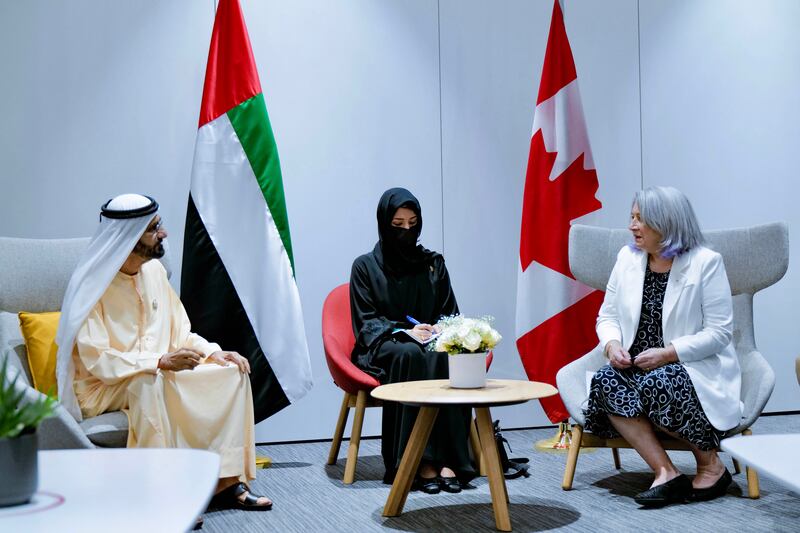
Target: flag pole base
point(560, 442)
point(262, 461)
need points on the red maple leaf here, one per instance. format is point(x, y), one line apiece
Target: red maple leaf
point(549, 207)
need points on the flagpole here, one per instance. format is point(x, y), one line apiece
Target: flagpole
point(560, 442)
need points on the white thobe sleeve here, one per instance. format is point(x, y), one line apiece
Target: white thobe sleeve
point(107, 364)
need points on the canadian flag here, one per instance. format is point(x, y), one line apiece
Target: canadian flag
point(555, 313)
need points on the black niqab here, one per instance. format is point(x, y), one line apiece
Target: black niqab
point(397, 249)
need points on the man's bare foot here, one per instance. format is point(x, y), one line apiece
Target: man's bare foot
point(261, 501)
point(231, 493)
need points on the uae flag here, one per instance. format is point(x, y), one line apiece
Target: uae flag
point(237, 282)
point(555, 313)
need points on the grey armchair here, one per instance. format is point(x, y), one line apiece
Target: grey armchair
point(755, 258)
point(33, 277)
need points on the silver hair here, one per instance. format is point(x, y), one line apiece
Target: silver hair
point(668, 211)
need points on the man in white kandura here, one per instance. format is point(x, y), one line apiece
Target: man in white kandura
point(125, 344)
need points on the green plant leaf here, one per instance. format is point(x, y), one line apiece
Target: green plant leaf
point(17, 416)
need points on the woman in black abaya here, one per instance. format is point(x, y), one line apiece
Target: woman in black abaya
point(401, 279)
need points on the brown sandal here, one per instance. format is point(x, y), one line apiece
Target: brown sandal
point(229, 499)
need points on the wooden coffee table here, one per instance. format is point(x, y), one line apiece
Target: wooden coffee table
point(432, 394)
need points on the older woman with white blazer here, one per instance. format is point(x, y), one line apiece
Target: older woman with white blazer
point(666, 326)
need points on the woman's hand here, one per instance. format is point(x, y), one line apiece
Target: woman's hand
point(423, 331)
point(653, 358)
point(618, 356)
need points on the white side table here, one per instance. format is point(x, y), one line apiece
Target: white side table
point(777, 456)
point(117, 490)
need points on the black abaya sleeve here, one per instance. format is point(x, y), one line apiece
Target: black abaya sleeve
point(368, 325)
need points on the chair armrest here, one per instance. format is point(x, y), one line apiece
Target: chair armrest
point(571, 382)
point(62, 432)
point(758, 380)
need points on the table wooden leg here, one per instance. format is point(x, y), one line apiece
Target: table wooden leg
point(497, 482)
point(475, 442)
point(410, 461)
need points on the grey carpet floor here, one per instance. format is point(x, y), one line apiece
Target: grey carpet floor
point(310, 497)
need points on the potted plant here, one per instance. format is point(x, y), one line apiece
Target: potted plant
point(468, 341)
point(18, 444)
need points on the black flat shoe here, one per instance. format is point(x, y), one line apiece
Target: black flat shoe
point(450, 484)
point(676, 490)
point(428, 485)
point(714, 491)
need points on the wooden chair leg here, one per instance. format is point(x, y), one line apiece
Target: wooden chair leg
point(615, 453)
point(355, 438)
point(339, 431)
point(475, 442)
point(753, 490)
point(572, 457)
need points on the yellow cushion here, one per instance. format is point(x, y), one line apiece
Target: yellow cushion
point(39, 331)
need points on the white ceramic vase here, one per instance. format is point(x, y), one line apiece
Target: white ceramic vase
point(467, 370)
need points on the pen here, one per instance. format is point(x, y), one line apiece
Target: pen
point(413, 320)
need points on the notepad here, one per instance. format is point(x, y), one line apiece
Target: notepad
point(411, 334)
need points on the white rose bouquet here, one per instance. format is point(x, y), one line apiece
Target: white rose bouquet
point(459, 334)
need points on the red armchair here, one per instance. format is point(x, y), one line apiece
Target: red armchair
point(338, 341)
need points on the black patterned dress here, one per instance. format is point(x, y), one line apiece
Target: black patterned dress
point(665, 395)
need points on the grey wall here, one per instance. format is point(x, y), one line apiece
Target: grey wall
point(721, 121)
point(100, 99)
point(97, 98)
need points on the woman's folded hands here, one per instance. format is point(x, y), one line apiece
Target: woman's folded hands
point(649, 359)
